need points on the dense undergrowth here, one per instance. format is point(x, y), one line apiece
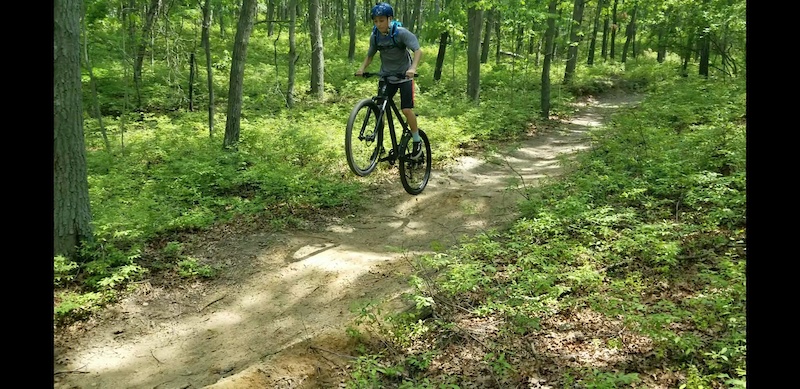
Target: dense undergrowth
point(627, 272)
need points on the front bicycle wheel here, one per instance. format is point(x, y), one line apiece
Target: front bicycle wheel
point(363, 138)
point(415, 173)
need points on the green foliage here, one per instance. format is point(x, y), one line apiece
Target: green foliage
point(189, 268)
point(368, 373)
point(648, 227)
point(71, 306)
point(498, 364)
point(609, 380)
point(63, 270)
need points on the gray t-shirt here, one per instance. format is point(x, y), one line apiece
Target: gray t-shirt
point(394, 59)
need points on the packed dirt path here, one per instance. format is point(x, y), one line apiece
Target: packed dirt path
point(275, 316)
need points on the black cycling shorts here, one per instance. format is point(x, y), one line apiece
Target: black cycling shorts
point(406, 93)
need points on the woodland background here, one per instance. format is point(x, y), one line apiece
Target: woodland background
point(173, 116)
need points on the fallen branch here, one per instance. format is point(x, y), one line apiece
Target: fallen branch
point(154, 357)
point(78, 370)
point(212, 302)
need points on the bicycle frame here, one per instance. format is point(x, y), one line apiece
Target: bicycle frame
point(387, 109)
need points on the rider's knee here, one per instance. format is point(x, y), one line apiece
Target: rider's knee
point(408, 111)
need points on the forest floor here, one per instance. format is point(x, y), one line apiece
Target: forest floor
point(275, 315)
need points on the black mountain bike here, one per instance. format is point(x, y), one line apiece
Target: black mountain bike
point(363, 142)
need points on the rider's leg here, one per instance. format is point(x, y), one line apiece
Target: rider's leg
point(407, 100)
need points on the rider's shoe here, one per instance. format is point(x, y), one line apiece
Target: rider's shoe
point(416, 152)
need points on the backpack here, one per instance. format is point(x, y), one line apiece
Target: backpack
point(392, 33)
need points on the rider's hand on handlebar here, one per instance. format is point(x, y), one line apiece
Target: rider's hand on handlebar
point(410, 73)
point(359, 73)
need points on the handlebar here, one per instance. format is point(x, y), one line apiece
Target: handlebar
point(398, 75)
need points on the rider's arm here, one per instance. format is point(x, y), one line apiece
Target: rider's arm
point(414, 62)
point(364, 65)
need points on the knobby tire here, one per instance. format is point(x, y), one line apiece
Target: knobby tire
point(363, 154)
point(415, 174)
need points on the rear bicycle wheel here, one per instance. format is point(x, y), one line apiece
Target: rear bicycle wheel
point(415, 173)
point(363, 138)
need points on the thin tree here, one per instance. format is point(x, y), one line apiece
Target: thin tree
point(606, 26)
point(152, 12)
point(93, 82)
point(437, 71)
point(317, 54)
point(574, 40)
point(418, 17)
point(630, 33)
point(209, 69)
point(474, 24)
point(72, 217)
point(243, 30)
point(292, 53)
point(704, 45)
point(487, 34)
point(614, 29)
point(662, 33)
point(339, 21)
point(270, 17)
point(549, 37)
point(351, 17)
point(497, 25)
point(595, 27)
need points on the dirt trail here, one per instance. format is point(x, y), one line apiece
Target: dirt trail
point(276, 314)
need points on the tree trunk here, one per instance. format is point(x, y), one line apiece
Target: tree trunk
point(93, 82)
point(630, 34)
point(209, 69)
point(351, 16)
point(416, 20)
point(408, 15)
point(549, 37)
point(518, 46)
point(437, 72)
point(191, 81)
point(704, 45)
point(497, 25)
point(475, 22)
point(663, 32)
point(687, 53)
point(270, 17)
point(317, 56)
point(705, 50)
point(574, 39)
point(487, 34)
point(293, 50)
point(155, 6)
point(243, 30)
point(339, 21)
point(593, 41)
point(614, 29)
point(604, 49)
point(72, 217)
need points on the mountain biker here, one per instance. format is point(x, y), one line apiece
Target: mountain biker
point(393, 41)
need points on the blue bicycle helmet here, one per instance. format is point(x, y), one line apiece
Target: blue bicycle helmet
point(382, 9)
